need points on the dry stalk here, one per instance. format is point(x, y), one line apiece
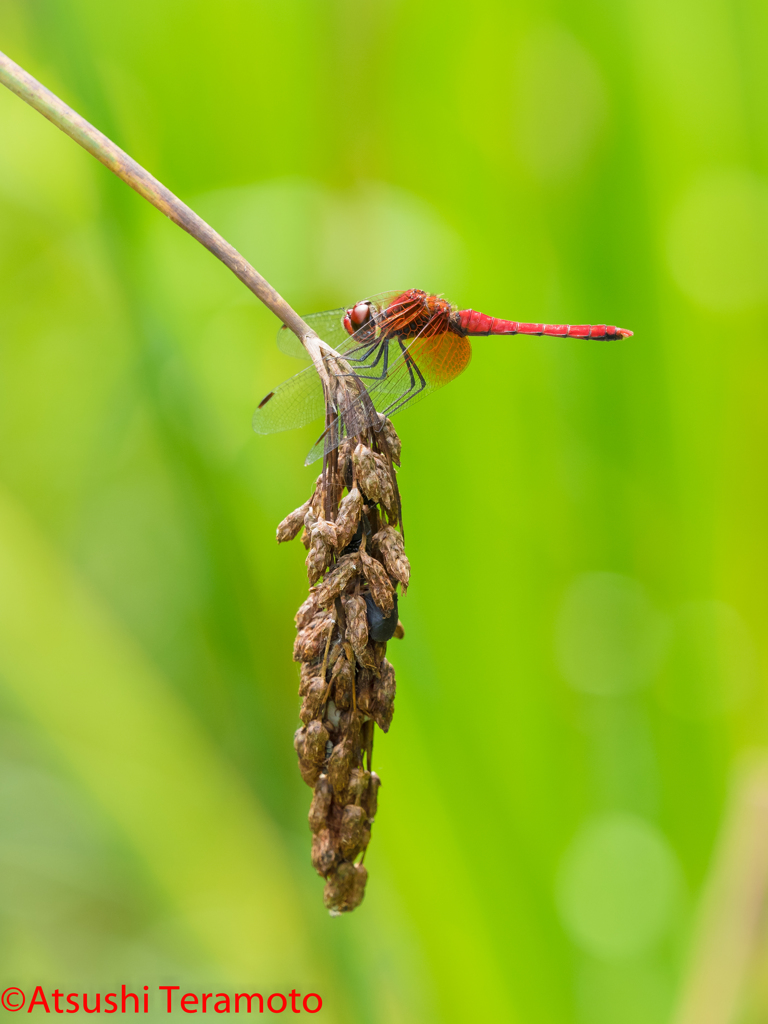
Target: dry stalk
point(355, 561)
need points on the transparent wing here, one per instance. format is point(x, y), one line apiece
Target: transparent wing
point(294, 403)
point(423, 366)
point(326, 325)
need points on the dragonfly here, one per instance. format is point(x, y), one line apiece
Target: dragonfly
point(402, 346)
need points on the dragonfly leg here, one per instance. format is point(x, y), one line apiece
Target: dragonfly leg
point(382, 353)
point(413, 373)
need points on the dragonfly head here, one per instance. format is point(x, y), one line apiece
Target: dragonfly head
point(357, 317)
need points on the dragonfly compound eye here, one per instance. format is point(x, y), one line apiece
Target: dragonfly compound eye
point(360, 314)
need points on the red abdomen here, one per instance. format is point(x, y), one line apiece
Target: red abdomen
point(473, 323)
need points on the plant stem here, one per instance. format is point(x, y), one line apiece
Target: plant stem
point(71, 123)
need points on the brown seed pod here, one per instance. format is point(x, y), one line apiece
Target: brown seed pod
point(365, 470)
point(345, 888)
point(372, 796)
point(310, 642)
point(321, 804)
point(364, 691)
point(383, 704)
point(340, 764)
point(323, 852)
point(382, 590)
point(310, 670)
point(322, 535)
point(357, 624)
point(313, 703)
point(343, 678)
point(292, 524)
point(337, 579)
point(351, 831)
point(373, 476)
point(388, 544)
point(357, 787)
point(388, 436)
point(315, 739)
point(306, 612)
point(310, 772)
point(351, 725)
point(350, 511)
point(317, 501)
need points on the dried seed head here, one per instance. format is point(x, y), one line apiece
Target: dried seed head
point(354, 562)
point(388, 544)
point(389, 437)
point(383, 704)
point(382, 591)
point(399, 631)
point(350, 511)
point(337, 579)
point(321, 804)
point(345, 888)
point(323, 852)
point(312, 705)
point(292, 524)
point(351, 831)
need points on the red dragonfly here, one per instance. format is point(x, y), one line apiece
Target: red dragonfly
point(402, 345)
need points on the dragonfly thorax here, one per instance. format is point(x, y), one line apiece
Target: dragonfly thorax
point(415, 313)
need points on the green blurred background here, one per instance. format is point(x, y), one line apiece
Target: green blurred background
point(581, 672)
